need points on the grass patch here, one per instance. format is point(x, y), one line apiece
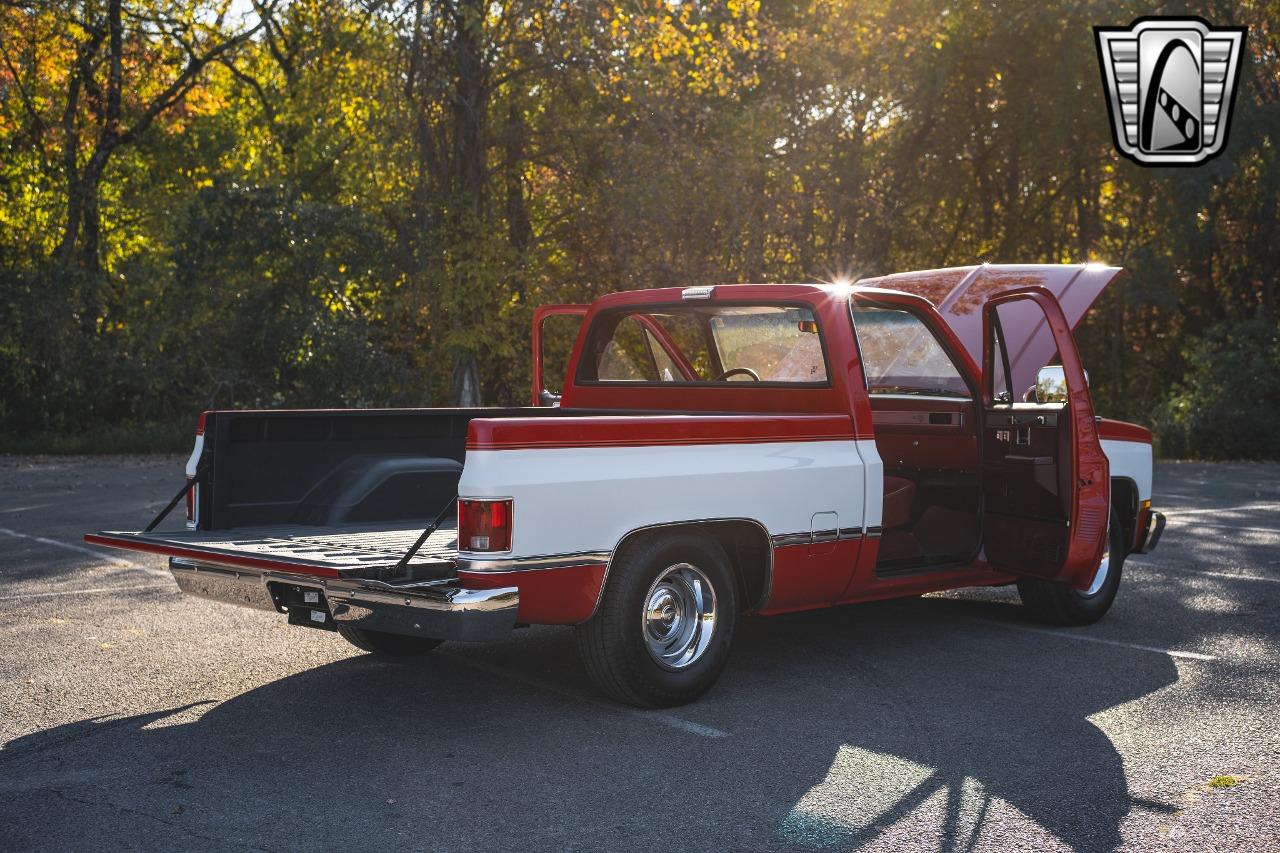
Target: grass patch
point(1224, 781)
point(123, 438)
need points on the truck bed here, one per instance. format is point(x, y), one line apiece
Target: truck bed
point(325, 493)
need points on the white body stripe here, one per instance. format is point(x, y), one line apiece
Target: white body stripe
point(1132, 460)
point(873, 484)
point(587, 498)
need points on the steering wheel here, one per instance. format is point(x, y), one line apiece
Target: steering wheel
point(733, 371)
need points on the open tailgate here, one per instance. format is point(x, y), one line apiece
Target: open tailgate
point(330, 552)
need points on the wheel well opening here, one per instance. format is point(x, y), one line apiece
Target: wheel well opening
point(1124, 502)
point(745, 543)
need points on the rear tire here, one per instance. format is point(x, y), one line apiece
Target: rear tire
point(386, 645)
point(662, 631)
point(1063, 604)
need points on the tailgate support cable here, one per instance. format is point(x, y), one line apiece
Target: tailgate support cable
point(426, 534)
point(191, 484)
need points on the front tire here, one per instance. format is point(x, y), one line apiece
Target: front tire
point(661, 634)
point(386, 645)
point(1062, 604)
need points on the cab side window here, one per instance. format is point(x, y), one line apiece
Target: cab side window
point(900, 355)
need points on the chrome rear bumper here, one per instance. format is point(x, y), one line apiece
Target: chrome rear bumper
point(439, 609)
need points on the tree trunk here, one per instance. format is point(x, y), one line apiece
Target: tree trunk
point(519, 230)
point(91, 223)
point(66, 250)
point(82, 228)
point(70, 157)
point(466, 380)
point(469, 106)
point(470, 103)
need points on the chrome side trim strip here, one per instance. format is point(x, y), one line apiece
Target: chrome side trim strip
point(879, 396)
point(815, 536)
point(533, 564)
point(874, 532)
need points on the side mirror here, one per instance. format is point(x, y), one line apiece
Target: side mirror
point(1051, 384)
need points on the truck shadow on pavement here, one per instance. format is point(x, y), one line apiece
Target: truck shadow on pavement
point(887, 726)
point(953, 730)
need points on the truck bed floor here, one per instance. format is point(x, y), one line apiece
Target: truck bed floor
point(342, 549)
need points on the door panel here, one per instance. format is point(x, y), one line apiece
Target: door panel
point(1025, 514)
point(1045, 477)
point(932, 433)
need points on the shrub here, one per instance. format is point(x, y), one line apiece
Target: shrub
point(1228, 403)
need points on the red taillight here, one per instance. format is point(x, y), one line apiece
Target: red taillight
point(191, 504)
point(484, 525)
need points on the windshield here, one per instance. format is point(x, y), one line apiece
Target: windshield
point(706, 344)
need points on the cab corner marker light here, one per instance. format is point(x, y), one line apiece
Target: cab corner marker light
point(697, 292)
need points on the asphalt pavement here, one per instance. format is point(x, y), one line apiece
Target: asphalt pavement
point(134, 718)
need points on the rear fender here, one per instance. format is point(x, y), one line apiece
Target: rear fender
point(745, 542)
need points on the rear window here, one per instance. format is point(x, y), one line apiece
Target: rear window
point(712, 344)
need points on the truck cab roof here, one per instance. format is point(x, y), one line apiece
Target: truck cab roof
point(955, 294)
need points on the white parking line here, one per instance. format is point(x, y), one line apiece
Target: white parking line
point(1261, 505)
point(93, 591)
point(669, 720)
point(1237, 577)
point(80, 549)
point(1071, 635)
point(1217, 525)
point(77, 548)
point(1156, 567)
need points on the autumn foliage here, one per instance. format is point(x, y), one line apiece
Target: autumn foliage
point(315, 203)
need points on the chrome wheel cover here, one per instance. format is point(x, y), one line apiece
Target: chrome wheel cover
point(679, 616)
point(1104, 568)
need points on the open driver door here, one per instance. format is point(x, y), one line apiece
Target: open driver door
point(551, 349)
point(1046, 481)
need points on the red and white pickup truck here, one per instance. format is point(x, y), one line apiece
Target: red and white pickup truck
point(716, 451)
